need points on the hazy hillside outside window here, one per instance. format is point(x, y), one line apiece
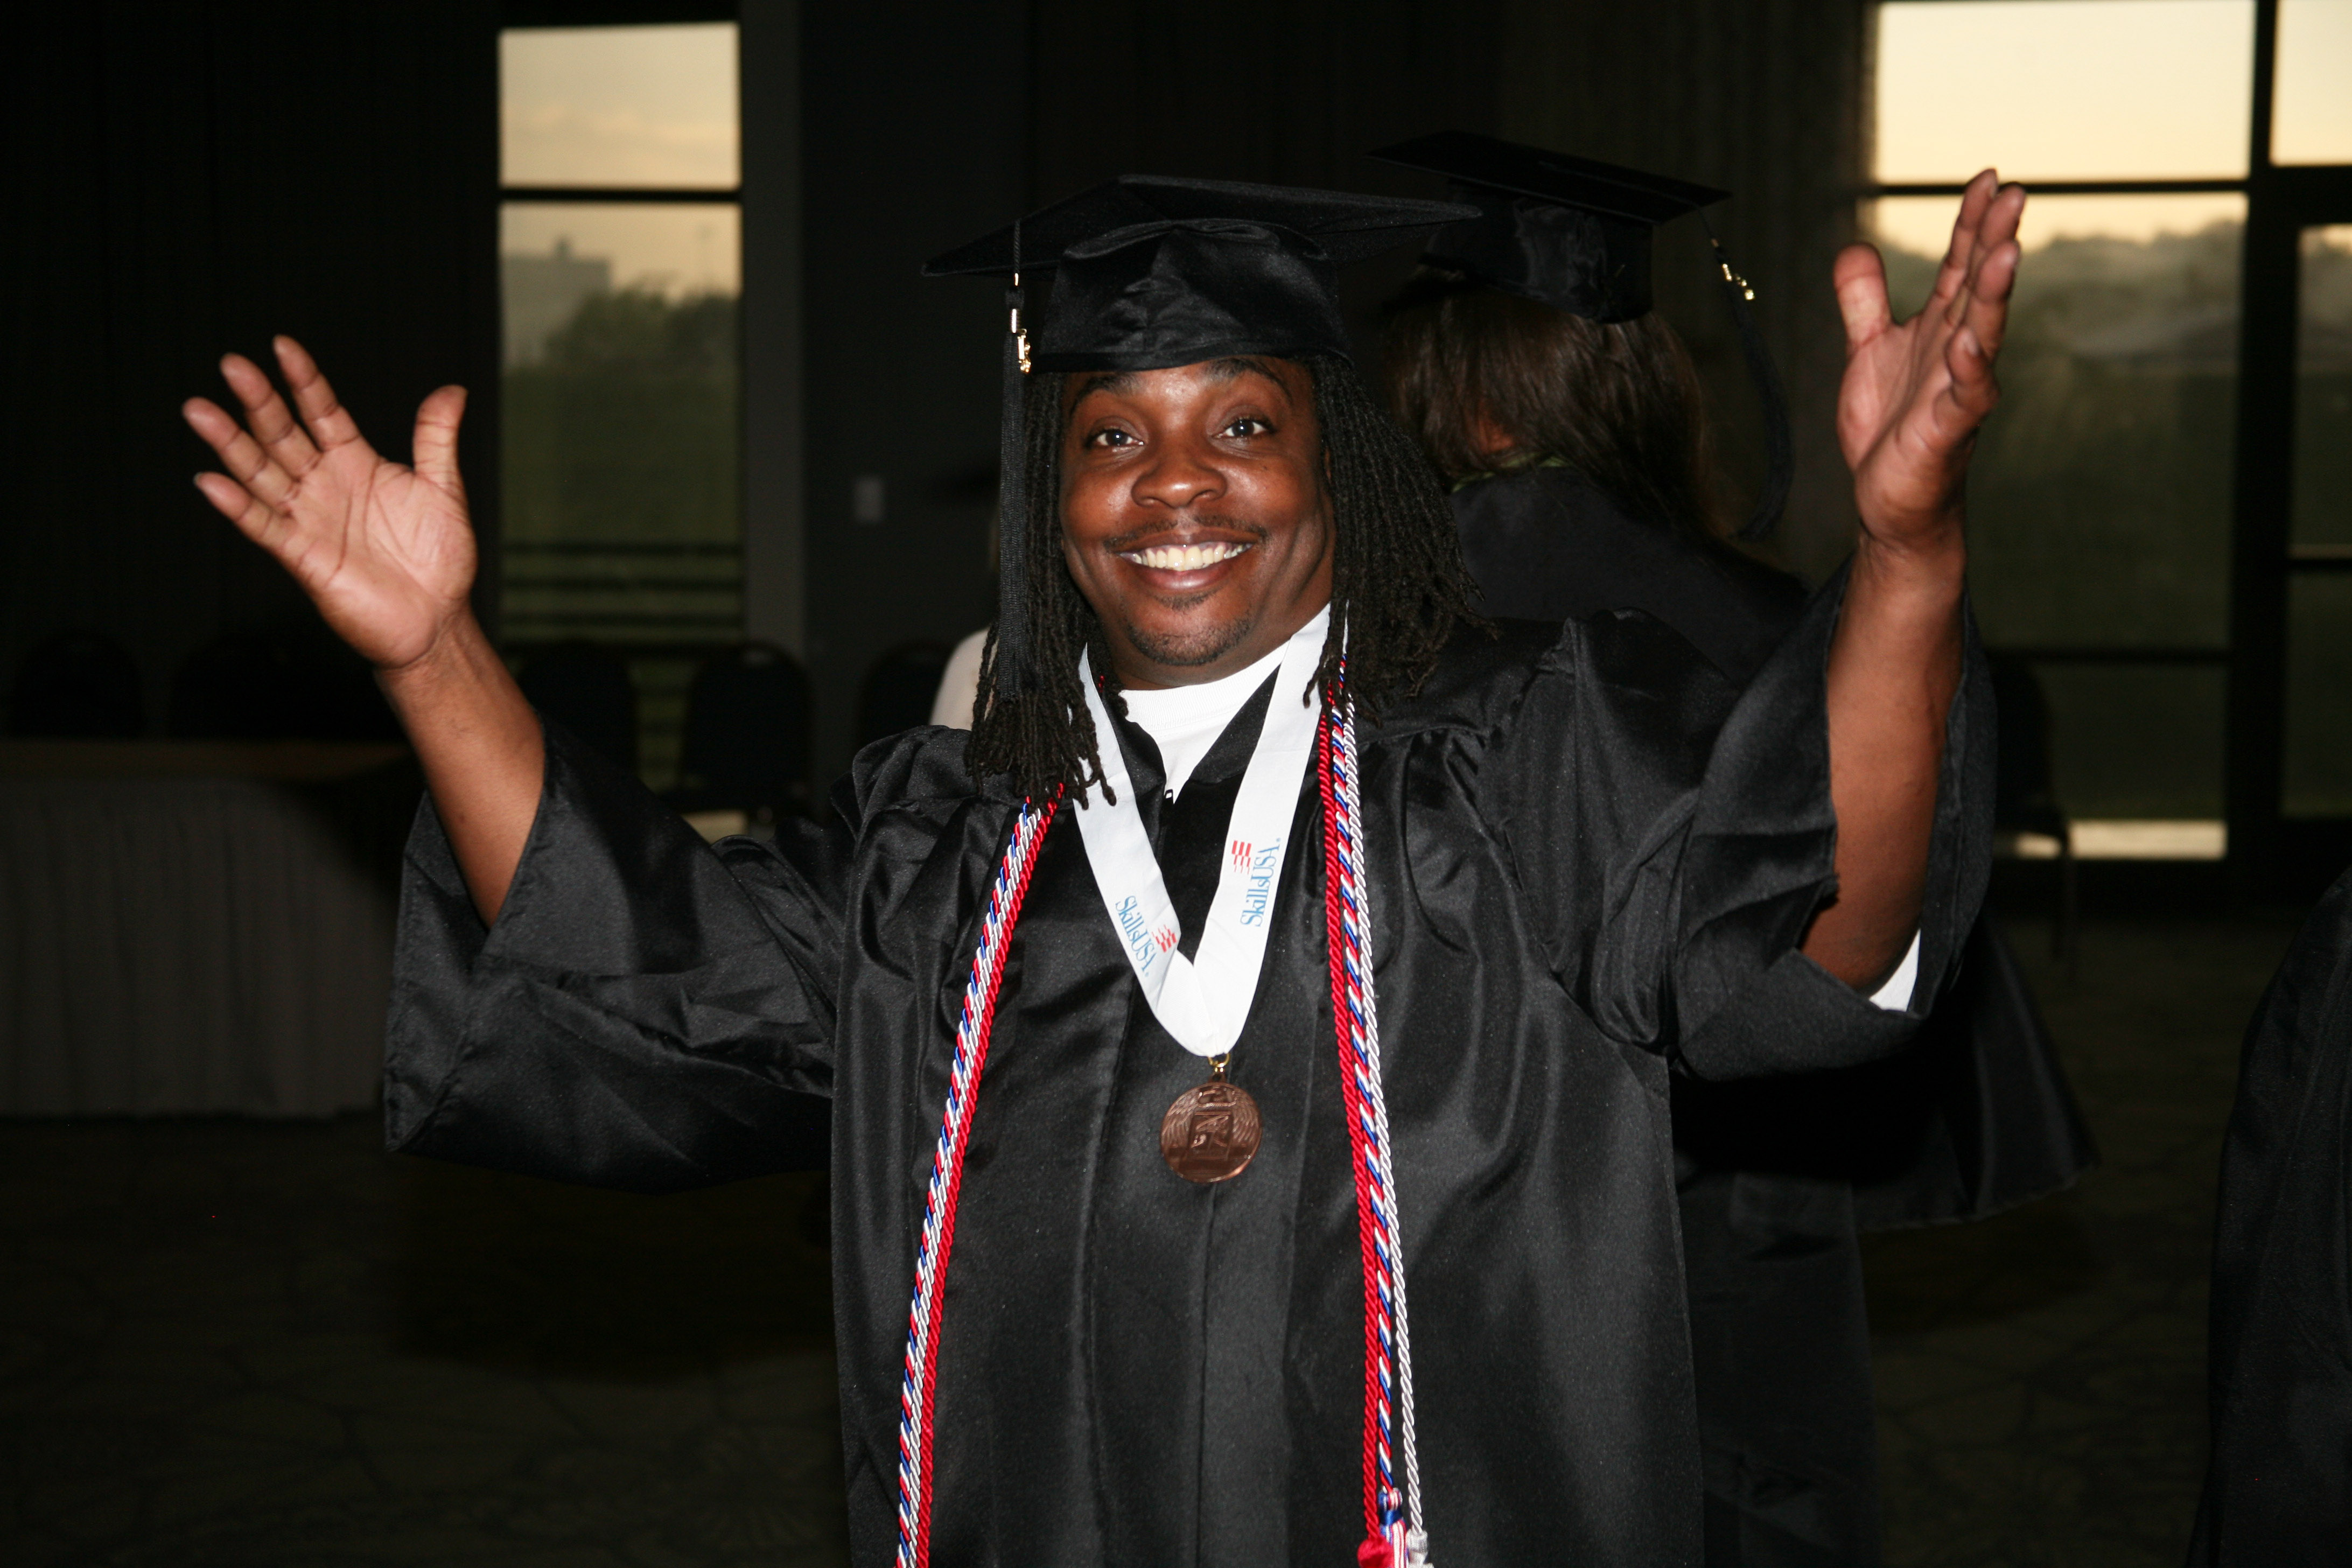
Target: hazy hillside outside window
point(2319, 624)
point(622, 452)
point(2100, 495)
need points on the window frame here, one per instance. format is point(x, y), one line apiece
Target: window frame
point(687, 651)
point(2267, 851)
point(518, 19)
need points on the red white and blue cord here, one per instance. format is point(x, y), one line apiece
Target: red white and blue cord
point(920, 1384)
point(1392, 1519)
point(1391, 1514)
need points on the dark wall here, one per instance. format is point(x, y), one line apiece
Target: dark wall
point(911, 122)
point(1767, 98)
point(189, 179)
point(1291, 94)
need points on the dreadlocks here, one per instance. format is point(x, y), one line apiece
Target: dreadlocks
point(1399, 589)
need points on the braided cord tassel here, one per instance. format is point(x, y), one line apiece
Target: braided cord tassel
point(1393, 1518)
point(972, 1029)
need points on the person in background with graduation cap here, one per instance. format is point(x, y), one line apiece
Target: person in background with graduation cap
point(1527, 362)
point(1280, 938)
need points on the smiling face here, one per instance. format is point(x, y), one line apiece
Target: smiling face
point(1195, 519)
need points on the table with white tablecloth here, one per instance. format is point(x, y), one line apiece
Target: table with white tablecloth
point(194, 927)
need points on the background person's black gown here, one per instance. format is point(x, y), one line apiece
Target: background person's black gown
point(1574, 879)
point(1776, 1175)
point(2278, 1492)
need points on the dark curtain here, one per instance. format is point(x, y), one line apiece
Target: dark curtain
point(186, 179)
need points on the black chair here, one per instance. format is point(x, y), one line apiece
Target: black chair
point(238, 686)
point(899, 690)
point(746, 746)
point(587, 689)
point(77, 686)
point(276, 686)
point(2026, 797)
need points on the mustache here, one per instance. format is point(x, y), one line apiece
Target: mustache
point(1255, 532)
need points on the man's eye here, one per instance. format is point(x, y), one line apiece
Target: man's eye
point(1110, 438)
point(1246, 426)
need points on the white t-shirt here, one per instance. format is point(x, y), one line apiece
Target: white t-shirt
point(1185, 722)
point(959, 683)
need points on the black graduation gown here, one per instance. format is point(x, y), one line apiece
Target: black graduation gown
point(1545, 544)
point(1778, 1174)
point(2278, 1492)
point(1589, 855)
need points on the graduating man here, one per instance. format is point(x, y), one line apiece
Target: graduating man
point(1247, 1046)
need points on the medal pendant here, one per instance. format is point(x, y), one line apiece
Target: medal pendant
point(1211, 1134)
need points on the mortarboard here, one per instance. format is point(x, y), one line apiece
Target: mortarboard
point(1574, 234)
point(1151, 272)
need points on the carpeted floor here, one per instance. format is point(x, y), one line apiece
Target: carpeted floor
point(231, 1344)
point(2041, 1374)
point(238, 1345)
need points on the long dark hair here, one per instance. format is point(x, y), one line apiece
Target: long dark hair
point(1398, 587)
point(1618, 403)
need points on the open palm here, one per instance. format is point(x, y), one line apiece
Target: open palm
point(1916, 392)
point(386, 551)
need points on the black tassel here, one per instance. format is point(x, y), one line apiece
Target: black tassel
point(1013, 522)
point(1779, 457)
point(1012, 667)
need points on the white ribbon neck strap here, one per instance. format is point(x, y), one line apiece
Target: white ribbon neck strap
point(1203, 1001)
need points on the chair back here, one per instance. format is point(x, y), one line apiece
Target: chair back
point(276, 686)
point(77, 686)
point(586, 688)
point(899, 690)
point(747, 730)
point(2025, 792)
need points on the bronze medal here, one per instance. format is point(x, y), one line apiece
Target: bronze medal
point(1211, 1134)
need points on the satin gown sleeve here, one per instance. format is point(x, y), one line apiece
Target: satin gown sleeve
point(649, 1011)
point(1673, 836)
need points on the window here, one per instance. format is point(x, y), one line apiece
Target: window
point(2311, 120)
point(2318, 782)
point(620, 240)
point(2116, 547)
point(2064, 90)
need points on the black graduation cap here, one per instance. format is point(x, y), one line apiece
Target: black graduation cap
point(1566, 232)
point(1151, 272)
point(1574, 234)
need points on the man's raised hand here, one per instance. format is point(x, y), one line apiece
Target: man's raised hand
point(384, 551)
point(1915, 393)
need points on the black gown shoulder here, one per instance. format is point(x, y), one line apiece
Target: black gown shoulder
point(1545, 544)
